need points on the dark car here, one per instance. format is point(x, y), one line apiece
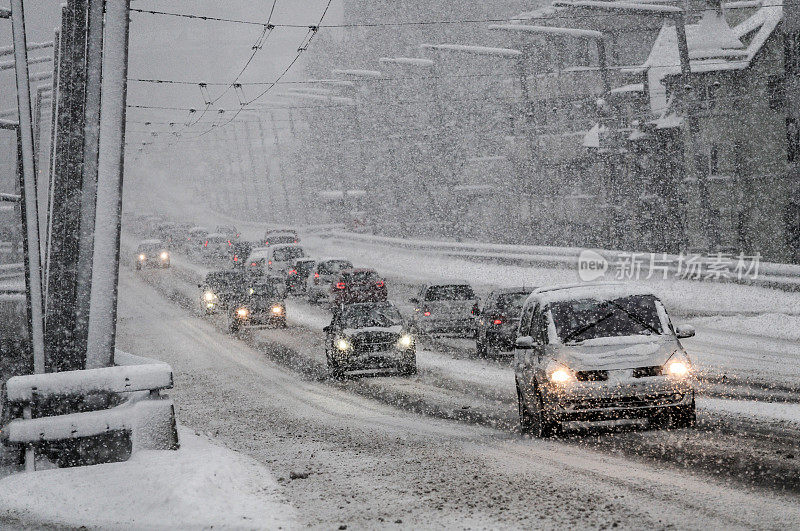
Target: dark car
point(240, 250)
point(221, 289)
point(260, 304)
point(152, 253)
point(369, 336)
point(275, 237)
point(358, 285)
point(496, 325)
point(228, 230)
point(297, 275)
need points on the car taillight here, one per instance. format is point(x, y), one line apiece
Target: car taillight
point(205, 244)
point(292, 271)
point(295, 241)
point(379, 283)
point(266, 242)
point(269, 262)
point(498, 321)
point(340, 285)
point(235, 258)
point(426, 313)
point(253, 264)
point(316, 275)
point(475, 309)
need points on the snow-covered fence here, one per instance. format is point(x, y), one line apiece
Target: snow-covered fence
point(11, 271)
point(783, 276)
point(145, 414)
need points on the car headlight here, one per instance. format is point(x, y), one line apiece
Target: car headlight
point(277, 309)
point(677, 366)
point(242, 313)
point(251, 291)
point(559, 374)
point(209, 296)
point(164, 255)
point(342, 344)
point(142, 257)
point(405, 341)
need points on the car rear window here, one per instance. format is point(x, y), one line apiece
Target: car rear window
point(288, 253)
point(333, 266)
point(362, 277)
point(285, 238)
point(455, 292)
point(511, 303)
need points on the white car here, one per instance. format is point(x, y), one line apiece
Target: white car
point(600, 352)
point(275, 259)
point(324, 274)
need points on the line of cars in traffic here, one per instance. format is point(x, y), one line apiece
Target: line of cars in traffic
point(585, 352)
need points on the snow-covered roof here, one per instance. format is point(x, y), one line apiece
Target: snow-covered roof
point(713, 46)
point(599, 291)
point(477, 50)
point(406, 61)
point(633, 87)
point(549, 30)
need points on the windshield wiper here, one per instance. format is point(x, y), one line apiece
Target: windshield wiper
point(636, 318)
point(586, 327)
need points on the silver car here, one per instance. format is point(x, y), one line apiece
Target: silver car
point(447, 307)
point(600, 352)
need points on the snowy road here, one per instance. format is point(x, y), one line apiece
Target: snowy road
point(367, 460)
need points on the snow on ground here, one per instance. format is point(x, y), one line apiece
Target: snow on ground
point(681, 296)
point(787, 415)
point(774, 325)
point(202, 485)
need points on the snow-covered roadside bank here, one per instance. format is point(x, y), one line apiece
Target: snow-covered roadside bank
point(202, 485)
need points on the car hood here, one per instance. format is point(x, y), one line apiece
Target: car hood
point(635, 352)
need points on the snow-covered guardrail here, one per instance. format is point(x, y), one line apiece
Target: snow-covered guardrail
point(145, 414)
point(744, 270)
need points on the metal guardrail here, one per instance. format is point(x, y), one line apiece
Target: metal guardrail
point(783, 276)
point(144, 409)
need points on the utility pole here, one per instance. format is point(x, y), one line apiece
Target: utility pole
point(91, 147)
point(101, 338)
point(57, 50)
point(30, 211)
point(281, 166)
point(60, 338)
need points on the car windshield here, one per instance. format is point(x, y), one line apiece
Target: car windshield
point(454, 292)
point(364, 316)
point(511, 303)
point(579, 320)
point(287, 253)
point(151, 248)
point(333, 266)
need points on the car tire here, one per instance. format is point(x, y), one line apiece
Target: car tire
point(334, 370)
point(683, 416)
point(535, 422)
point(480, 348)
point(408, 370)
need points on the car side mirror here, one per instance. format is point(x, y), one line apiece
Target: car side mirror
point(684, 331)
point(327, 329)
point(526, 342)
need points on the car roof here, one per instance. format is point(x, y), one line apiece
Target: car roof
point(519, 289)
point(151, 242)
point(260, 252)
point(448, 283)
point(330, 259)
point(593, 290)
point(358, 270)
point(198, 228)
point(368, 304)
point(285, 246)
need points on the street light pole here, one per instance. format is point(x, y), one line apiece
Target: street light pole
point(33, 274)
